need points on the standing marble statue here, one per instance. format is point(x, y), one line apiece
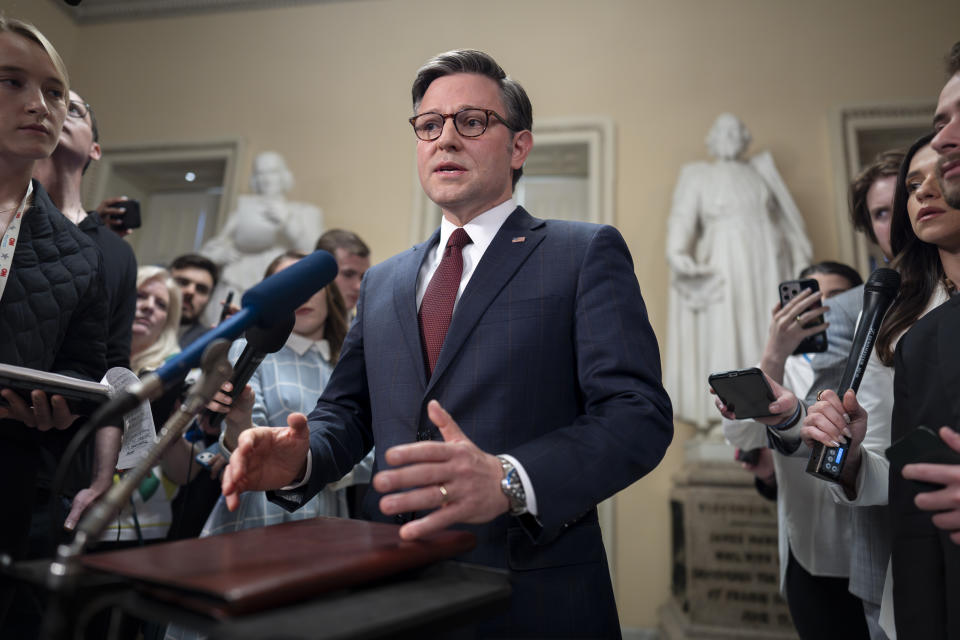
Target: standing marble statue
point(264, 225)
point(733, 234)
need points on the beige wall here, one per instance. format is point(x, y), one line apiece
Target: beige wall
point(327, 85)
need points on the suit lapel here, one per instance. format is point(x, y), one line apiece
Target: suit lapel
point(514, 242)
point(948, 350)
point(405, 300)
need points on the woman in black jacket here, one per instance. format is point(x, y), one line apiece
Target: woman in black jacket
point(52, 312)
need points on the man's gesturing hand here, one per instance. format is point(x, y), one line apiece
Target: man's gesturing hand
point(454, 477)
point(267, 458)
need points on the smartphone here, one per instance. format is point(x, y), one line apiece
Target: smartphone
point(817, 343)
point(225, 312)
point(744, 391)
point(130, 219)
point(922, 444)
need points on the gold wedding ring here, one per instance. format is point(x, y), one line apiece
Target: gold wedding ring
point(819, 393)
point(798, 319)
point(443, 494)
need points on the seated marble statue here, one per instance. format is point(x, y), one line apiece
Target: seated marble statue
point(733, 234)
point(264, 225)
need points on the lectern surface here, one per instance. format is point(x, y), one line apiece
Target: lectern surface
point(247, 571)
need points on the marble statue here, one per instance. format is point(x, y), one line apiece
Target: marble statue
point(733, 234)
point(264, 225)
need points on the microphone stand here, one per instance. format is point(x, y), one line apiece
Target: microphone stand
point(215, 370)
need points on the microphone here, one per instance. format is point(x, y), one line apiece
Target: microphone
point(60, 578)
point(827, 462)
point(260, 342)
point(266, 304)
point(216, 371)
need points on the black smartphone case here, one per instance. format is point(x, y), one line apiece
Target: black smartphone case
point(922, 444)
point(744, 391)
point(817, 343)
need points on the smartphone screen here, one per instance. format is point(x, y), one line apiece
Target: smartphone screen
point(744, 391)
point(817, 343)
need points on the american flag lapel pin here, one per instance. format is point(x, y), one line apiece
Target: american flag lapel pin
point(520, 239)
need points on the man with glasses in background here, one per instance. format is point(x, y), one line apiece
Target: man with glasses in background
point(62, 176)
point(505, 370)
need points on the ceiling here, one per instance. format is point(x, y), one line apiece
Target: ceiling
point(91, 11)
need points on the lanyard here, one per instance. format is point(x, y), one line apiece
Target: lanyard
point(9, 244)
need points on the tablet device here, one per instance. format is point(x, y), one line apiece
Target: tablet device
point(82, 396)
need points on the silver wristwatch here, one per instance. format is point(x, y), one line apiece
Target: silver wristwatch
point(512, 487)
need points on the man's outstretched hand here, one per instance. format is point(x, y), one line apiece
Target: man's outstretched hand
point(455, 478)
point(267, 458)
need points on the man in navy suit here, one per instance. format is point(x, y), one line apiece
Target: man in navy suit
point(542, 399)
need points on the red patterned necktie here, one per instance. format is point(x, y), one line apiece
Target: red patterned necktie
point(436, 308)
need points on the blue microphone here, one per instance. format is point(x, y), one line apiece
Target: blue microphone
point(268, 303)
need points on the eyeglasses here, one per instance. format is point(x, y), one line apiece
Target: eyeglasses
point(469, 123)
point(77, 109)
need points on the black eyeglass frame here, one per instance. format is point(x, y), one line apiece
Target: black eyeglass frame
point(83, 107)
point(453, 116)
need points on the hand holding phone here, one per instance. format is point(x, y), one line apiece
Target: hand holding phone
point(804, 310)
point(129, 218)
point(745, 392)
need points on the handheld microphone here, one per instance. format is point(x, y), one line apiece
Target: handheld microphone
point(260, 342)
point(266, 304)
point(60, 578)
point(827, 462)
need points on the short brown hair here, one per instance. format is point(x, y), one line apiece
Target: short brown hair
point(953, 60)
point(350, 242)
point(884, 165)
point(519, 111)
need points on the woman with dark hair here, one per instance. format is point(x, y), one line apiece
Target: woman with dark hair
point(288, 381)
point(925, 239)
point(920, 246)
point(833, 277)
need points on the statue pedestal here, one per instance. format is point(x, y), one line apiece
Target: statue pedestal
point(726, 576)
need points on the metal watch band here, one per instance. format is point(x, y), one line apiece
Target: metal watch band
point(512, 487)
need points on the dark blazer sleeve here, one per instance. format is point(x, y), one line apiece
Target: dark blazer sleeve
point(122, 294)
point(626, 422)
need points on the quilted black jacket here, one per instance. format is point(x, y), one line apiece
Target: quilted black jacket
point(53, 313)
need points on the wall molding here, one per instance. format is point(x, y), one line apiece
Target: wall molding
point(96, 11)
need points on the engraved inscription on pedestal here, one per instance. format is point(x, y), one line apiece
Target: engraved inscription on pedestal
point(726, 567)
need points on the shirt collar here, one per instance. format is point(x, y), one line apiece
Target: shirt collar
point(300, 345)
point(481, 229)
